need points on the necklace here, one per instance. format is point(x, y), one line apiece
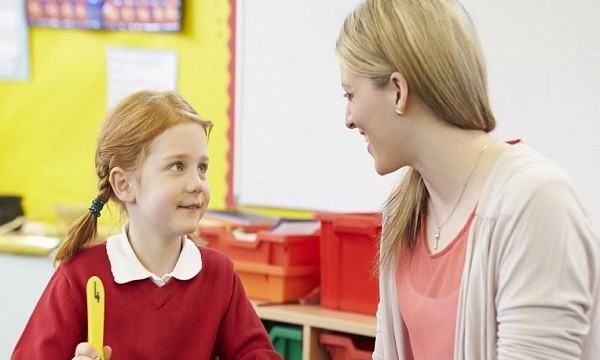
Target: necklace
point(438, 225)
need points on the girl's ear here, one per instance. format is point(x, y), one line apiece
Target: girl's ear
point(121, 186)
point(399, 87)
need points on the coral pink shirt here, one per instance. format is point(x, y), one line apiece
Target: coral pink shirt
point(428, 294)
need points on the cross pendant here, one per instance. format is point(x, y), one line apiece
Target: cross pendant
point(436, 239)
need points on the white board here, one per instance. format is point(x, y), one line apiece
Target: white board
point(293, 151)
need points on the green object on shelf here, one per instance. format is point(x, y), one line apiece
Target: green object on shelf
point(287, 341)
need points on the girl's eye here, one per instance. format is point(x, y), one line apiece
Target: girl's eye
point(348, 95)
point(203, 168)
point(178, 166)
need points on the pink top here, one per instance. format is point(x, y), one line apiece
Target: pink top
point(428, 294)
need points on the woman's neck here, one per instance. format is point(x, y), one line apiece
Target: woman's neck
point(454, 164)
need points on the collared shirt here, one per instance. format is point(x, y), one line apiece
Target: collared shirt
point(126, 267)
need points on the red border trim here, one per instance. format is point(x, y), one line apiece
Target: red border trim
point(229, 199)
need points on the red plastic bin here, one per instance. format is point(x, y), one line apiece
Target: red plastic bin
point(268, 248)
point(342, 348)
point(349, 244)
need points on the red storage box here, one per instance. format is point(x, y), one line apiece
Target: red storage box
point(268, 248)
point(342, 348)
point(277, 283)
point(349, 244)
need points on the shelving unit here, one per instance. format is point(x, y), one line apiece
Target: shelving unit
point(315, 319)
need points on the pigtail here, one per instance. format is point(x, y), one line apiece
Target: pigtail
point(85, 229)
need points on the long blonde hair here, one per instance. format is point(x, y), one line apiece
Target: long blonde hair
point(123, 142)
point(433, 43)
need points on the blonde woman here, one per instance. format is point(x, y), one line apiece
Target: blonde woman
point(486, 253)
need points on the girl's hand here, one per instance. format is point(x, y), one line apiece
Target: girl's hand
point(85, 351)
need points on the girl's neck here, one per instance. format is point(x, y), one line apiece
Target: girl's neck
point(156, 252)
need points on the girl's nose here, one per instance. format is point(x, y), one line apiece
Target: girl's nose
point(195, 184)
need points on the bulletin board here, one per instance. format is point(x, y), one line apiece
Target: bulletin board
point(49, 124)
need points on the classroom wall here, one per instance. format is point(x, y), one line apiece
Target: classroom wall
point(49, 124)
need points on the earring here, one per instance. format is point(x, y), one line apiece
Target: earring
point(398, 111)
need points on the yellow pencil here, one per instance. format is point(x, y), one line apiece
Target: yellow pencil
point(95, 314)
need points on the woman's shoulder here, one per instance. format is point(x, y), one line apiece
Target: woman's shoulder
point(521, 174)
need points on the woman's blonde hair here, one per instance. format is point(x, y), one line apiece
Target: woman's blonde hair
point(124, 142)
point(434, 45)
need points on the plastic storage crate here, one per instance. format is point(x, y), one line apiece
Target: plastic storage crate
point(267, 247)
point(341, 347)
point(277, 283)
point(287, 341)
point(349, 244)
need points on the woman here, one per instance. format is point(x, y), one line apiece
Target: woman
point(486, 253)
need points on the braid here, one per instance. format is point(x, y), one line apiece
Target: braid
point(84, 230)
point(104, 188)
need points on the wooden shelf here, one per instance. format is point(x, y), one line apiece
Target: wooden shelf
point(313, 320)
point(318, 317)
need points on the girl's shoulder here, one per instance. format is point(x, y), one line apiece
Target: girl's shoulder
point(212, 258)
point(91, 260)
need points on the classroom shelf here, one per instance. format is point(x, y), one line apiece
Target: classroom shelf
point(315, 319)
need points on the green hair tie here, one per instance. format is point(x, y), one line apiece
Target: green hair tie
point(97, 205)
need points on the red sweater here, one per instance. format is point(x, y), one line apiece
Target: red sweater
point(201, 318)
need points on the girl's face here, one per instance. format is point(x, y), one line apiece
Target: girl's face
point(171, 188)
point(371, 110)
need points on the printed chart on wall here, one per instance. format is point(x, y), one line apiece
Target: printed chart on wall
point(130, 70)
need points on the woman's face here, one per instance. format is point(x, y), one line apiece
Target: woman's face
point(371, 110)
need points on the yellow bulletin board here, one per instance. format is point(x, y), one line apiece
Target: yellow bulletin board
point(49, 124)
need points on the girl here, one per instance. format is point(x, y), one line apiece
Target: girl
point(486, 253)
point(166, 298)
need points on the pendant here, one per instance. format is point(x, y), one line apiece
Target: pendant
point(436, 239)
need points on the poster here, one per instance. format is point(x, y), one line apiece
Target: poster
point(129, 70)
point(14, 41)
point(132, 15)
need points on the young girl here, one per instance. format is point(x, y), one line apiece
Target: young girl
point(165, 298)
point(486, 251)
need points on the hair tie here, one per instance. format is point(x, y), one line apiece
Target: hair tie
point(96, 207)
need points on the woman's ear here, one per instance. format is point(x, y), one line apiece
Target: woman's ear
point(399, 87)
point(119, 181)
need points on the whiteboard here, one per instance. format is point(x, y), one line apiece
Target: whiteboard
point(292, 149)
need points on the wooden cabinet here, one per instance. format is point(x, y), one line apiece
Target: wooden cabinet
point(315, 319)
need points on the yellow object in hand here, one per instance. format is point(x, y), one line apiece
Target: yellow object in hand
point(95, 314)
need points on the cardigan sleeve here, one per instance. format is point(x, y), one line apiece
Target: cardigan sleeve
point(56, 325)
point(242, 335)
point(547, 276)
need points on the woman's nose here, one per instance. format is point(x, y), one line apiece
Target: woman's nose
point(349, 123)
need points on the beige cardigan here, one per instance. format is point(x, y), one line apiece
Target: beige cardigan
point(529, 288)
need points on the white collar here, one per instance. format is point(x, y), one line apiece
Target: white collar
point(126, 267)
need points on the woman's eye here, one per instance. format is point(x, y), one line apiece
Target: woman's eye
point(178, 166)
point(348, 95)
point(203, 168)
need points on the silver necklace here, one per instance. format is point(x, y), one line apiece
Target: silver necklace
point(438, 225)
